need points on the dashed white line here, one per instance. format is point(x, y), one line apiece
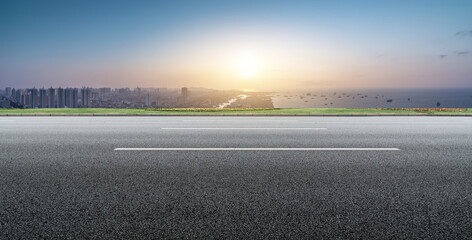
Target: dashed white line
point(256, 149)
point(232, 128)
point(237, 120)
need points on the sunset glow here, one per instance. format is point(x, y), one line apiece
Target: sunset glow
point(248, 65)
point(264, 45)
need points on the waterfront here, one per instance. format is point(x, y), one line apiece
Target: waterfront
point(374, 98)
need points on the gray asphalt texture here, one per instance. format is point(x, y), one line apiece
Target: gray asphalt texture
point(60, 178)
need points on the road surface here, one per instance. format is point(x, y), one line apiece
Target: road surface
point(235, 177)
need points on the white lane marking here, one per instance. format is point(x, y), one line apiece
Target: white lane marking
point(238, 120)
point(256, 149)
point(232, 128)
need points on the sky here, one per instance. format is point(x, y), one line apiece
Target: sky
point(250, 45)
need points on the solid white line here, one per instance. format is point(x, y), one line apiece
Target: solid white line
point(232, 128)
point(256, 149)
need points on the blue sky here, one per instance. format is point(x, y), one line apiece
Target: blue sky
point(294, 44)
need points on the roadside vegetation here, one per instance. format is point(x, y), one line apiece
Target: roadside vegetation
point(281, 111)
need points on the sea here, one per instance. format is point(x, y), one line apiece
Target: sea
point(374, 98)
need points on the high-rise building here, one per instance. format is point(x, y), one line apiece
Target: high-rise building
point(124, 91)
point(184, 95)
point(184, 92)
point(71, 97)
point(75, 97)
point(85, 98)
point(7, 91)
point(18, 95)
point(148, 100)
point(104, 91)
point(13, 95)
point(42, 98)
point(60, 98)
point(52, 97)
point(26, 99)
point(68, 97)
point(33, 103)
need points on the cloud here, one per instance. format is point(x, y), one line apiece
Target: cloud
point(460, 53)
point(464, 34)
point(442, 56)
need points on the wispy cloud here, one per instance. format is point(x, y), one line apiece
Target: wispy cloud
point(464, 34)
point(460, 53)
point(442, 56)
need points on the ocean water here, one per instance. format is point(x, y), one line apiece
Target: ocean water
point(374, 98)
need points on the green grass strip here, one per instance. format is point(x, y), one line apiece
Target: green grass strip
point(281, 111)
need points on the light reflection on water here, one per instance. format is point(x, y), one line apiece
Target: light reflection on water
point(223, 105)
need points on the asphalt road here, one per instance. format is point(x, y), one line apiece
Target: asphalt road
point(61, 177)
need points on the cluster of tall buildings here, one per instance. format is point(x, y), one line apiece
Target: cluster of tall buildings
point(93, 97)
point(86, 97)
point(50, 97)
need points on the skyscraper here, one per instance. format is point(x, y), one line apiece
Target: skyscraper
point(104, 91)
point(71, 97)
point(52, 97)
point(85, 98)
point(184, 95)
point(33, 103)
point(18, 95)
point(42, 98)
point(75, 97)
point(24, 98)
point(184, 92)
point(7, 91)
point(13, 95)
point(68, 97)
point(60, 98)
point(148, 100)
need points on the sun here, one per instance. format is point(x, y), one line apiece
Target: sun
point(248, 73)
point(247, 65)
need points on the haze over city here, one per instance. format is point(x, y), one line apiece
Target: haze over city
point(262, 45)
point(235, 119)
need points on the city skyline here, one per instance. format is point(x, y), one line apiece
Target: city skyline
point(105, 97)
point(247, 45)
